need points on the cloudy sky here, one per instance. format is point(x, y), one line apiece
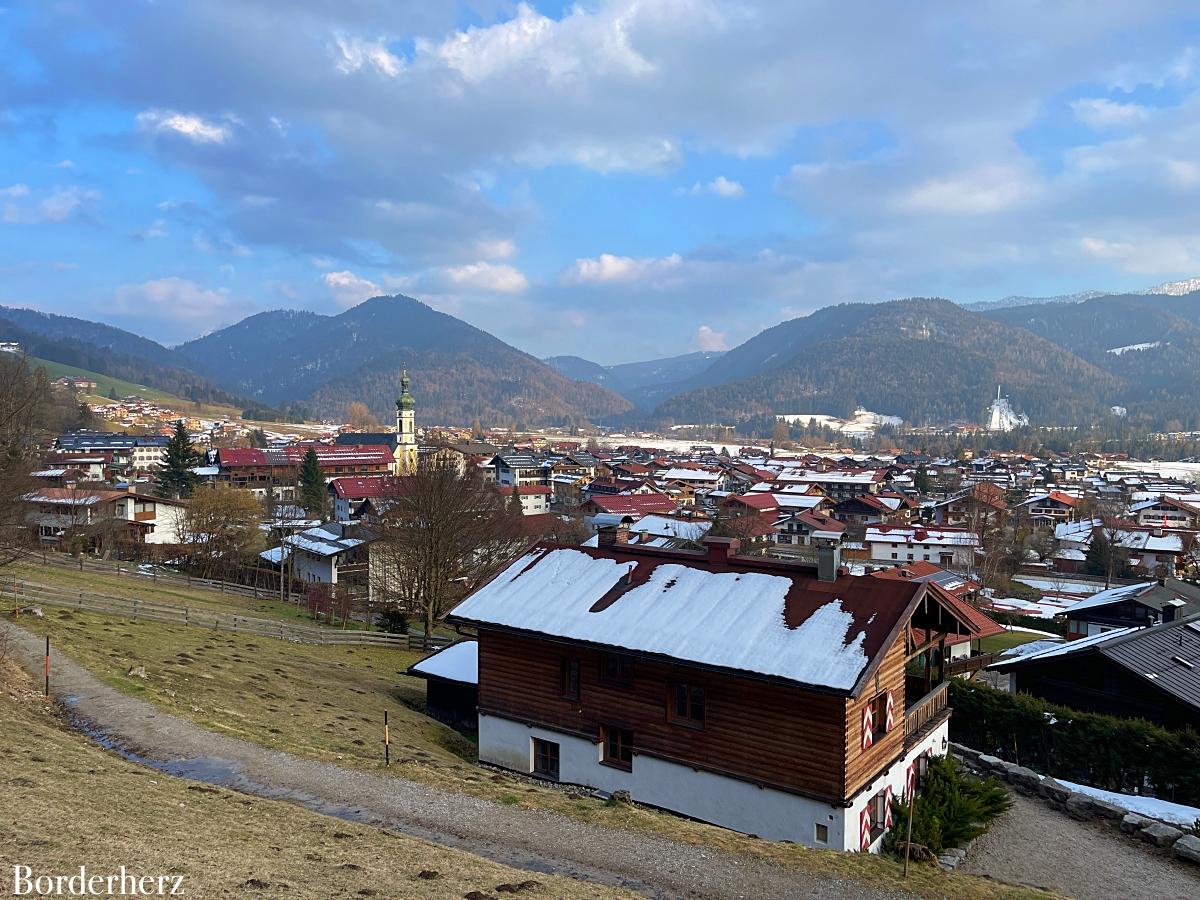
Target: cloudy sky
point(618, 179)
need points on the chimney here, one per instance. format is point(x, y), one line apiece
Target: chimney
point(829, 559)
point(1171, 610)
point(611, 535)
point(720, 548)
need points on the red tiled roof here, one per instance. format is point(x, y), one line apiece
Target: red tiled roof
point(361, 487)
point(763, 502)
point(633, 504)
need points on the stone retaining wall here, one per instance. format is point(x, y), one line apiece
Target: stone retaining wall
point(1082, 806)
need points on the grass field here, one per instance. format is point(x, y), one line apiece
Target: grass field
point(142, 587)
point(105, 384)
point(1008, 640)
point(69, 803)
point(328, 703)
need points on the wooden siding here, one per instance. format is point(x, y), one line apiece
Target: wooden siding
point(863, 765)
point(766, 733)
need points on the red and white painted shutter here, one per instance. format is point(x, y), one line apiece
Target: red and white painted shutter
point(864, 827)
point(910, 781)
point(891, 719)
point(868, 727)
point(887, 807)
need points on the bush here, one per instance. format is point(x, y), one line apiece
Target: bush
point(1123, 755)
point(394, 621)
point(951, 809)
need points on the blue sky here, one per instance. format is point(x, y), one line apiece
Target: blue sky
point(618, 180)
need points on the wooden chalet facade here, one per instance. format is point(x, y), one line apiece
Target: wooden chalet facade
point(765, 696)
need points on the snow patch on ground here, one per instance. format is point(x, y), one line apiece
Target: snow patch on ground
point(1133, 348)
point(1175, 813)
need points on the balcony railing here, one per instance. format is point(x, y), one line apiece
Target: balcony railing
point(925, 713)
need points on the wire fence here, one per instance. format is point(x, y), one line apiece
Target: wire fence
point(23, 596)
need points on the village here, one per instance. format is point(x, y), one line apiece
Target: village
point(853, 611)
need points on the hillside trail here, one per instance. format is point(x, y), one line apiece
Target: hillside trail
point(531, 839)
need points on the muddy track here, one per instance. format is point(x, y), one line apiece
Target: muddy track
point(535, 840)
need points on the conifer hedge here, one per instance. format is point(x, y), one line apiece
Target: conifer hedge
point(1124, 755)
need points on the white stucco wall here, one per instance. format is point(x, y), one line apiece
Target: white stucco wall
point(728, 802)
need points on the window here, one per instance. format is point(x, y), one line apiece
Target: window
point(570, 679)
point(821, 833)
point(617, 747)
point(687, 704)
point(545, 758)
point(879, 813)
point(878, 717)
point(616, 669)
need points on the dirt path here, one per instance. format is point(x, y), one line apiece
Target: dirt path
point(525, 838)
point(1035, 845)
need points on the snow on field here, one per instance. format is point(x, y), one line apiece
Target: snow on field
point(1133, 348)
point(1175, 813)
point(1060, 585)
point(1046, 608)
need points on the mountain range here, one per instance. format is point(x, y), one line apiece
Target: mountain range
point(930, 361)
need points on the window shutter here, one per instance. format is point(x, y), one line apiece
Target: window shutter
point(864, 827)
point(868, 727)
point(887, 806)
point(891, 719)
point(910, 781)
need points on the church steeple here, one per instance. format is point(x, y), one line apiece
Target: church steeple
point(406, 430)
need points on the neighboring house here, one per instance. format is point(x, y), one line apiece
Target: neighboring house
point(629, 505)
point(1052, 507)
point(951, 547)
point(159, 520)
point(56, 513)
point(1167, 512)
point(982, 508)
point(1153, 551)
point(520, 469)
point(262, 470)
point(1150, 673)
point(535, 498)
point(959, 646)
point(348, 493)
point(139, 451)
point(759, 695)
point(1144, 603)
point(451, 684)
point(837, 484)
point(327, 554)
point(805, 528)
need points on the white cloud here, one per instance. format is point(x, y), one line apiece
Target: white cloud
point(348, 289)
point(988, 189)
point(607, 268)
point(720, 186)
point(491, 277)
point(496, 248)
point(1148, 255)
point(63, 164)
point(709, 339)
point(171, 298)
point(192, 127)
point(24, 207)
point(1100, 113)
point(355, 53)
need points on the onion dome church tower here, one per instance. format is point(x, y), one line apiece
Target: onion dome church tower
point(406, 430)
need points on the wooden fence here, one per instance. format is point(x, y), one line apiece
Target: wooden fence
point(26, 595)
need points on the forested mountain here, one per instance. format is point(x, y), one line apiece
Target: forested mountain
point(108, 359)
point(1150, 342)
point(644, 383)
point(96, 334)
point(924, 360)
point(459, 372)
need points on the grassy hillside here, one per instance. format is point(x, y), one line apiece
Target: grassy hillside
point(105, 384)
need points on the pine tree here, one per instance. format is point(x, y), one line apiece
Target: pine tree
point(176, 478)
point(313, 496)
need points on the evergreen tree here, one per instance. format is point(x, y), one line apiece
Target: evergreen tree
point(176, 478)
point(313, 496)
point(921, 480)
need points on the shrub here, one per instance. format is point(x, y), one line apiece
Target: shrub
point(1123, 755)
point(394, 621)
point(951, 809)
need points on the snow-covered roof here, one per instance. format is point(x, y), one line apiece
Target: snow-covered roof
point(786, 625)
point(325, 540)
point(1112, 595)
point(1069, 646)
point(688, 475)
point(458, 662)
point(938, 537)
point(687, 529)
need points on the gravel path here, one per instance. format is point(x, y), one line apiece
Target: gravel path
point(1035, 845)
point(530, 839)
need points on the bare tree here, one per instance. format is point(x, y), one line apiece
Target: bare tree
point(23, 397)
point(441, 535)
point(220, 529)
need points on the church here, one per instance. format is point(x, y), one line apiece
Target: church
point(402, 442)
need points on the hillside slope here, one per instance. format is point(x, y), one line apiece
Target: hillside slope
point(459, 372)
point(922, 359)
point(646, 383)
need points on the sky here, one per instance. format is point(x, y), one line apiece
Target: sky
point(615, 179)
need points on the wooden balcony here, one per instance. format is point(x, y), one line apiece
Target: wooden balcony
point(926, 713)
